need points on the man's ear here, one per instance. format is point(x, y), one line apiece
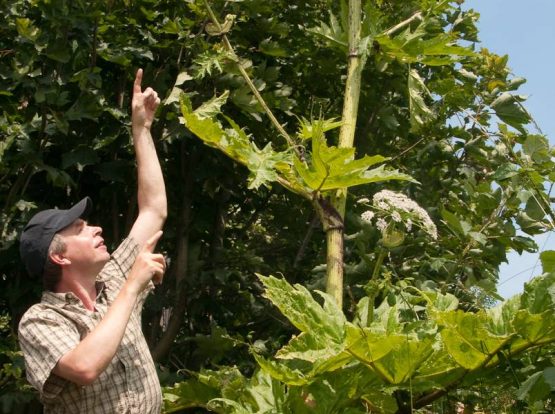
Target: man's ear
point(60, 259)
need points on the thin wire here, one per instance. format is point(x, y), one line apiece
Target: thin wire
point(530, 268)
point(542, 249)
point(516, 274)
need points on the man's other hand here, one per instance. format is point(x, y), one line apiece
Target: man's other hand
point(148, 265)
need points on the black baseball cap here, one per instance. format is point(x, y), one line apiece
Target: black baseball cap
point(39, 232)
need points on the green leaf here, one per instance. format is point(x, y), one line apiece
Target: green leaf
point(282, 372)
point(370, 345)
point(182, 78)
point(539, 294)
point(334, 33)
point(439, 368)
point(26, 29)
point(212, 107)
point(59, 51)
point(439, 301)
point(262, 165)
point(535, 328)
point(206, 62)
point(538, 386)
point(297, 304)
point(307, 129)
point(420, 113)
point(272, 48)
point(534, 210)
point(334, 168)
point(87, 106)
point(509, 109)
point(265, 165)
point(537, 148)
point(58, 178)
point(80, 157)
point(413, 47)
point(547, 258)
point(457, 226)
point(467, 338)
point(506, 170)
point(225, 406)
point(187, 394)
point(401, 363)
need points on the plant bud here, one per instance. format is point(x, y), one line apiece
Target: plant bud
point(391, 237)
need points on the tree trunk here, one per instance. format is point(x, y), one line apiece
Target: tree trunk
point(180, 267)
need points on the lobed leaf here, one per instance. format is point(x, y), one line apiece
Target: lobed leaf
point(307, 315)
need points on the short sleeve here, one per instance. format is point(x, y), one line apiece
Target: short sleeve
point(126, 254)
point(117, 269)
point(44, 337)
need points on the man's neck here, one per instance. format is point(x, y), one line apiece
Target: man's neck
point(82, 287)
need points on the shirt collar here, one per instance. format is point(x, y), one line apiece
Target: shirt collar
point(69, 298)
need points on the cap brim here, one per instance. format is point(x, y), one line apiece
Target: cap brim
point(80, 210)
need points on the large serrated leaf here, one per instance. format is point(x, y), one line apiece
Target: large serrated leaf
point(420, 112)
point(413, 47)
point(298, 305)
point(281, 371)
point(547, 258)
point(262, 163)
point(332, 167)
point(369, 346)
point(212, 107)
point(467, 338)
point(333, 33)
point(401, 363)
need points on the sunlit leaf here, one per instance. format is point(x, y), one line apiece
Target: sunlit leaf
point(509, 109)
point(418, 92)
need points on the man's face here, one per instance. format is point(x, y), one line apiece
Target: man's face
point(85, 246)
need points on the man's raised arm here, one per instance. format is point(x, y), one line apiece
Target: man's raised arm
point(151, 192)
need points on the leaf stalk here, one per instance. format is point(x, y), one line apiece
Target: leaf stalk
point(251, 85)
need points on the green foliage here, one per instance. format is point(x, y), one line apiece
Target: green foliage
point(538, 387)
point(332, 168)
point(420, 343)
point(15, 394)
point(263, 164)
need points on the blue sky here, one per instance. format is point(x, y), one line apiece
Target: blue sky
point(524, 30)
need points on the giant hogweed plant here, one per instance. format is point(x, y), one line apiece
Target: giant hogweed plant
point(410, 353)
point(416, 345)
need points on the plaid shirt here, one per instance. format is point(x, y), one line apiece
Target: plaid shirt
point(53, 327)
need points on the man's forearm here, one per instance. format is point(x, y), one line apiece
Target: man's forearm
point(151, 195)
point(83, 364)
point(151, 192)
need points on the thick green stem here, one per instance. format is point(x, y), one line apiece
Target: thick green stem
point(378, 264)
point(334, 259)
point(334, 275)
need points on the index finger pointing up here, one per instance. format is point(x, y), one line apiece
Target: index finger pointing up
point(138, 81)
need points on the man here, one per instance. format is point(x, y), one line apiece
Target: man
point(83, 345)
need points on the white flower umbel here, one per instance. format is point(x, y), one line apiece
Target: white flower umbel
point(395, 212)
point(367, 216)
point(402, 209)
